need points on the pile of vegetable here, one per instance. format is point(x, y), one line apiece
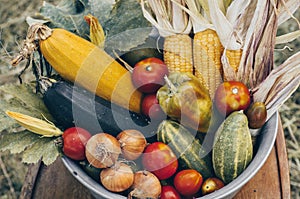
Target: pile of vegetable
point(179, 122)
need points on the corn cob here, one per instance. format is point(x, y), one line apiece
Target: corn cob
point(178, 53)
point(232, 33)
point(207, 51)
point(174, 25)
point(234, 58)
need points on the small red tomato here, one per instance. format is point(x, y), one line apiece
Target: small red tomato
point(159, 159)
point(151, 108)
point(188, 182)
point(169, 192)
point(211, 184)
point(74, 141)
point(148, 74)
point(232, 96)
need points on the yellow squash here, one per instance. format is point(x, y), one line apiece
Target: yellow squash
point(83, 63)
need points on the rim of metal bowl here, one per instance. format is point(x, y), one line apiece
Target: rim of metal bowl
point(268, 135)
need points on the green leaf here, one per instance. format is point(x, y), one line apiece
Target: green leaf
point(23, 99)
point(67, 16)
point(127, 28)
point(122, 20)
point(101, 9)
point(18, 142)
point(25, 94)
point(44, 149)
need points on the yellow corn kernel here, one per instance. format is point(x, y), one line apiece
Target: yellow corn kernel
point(207, 52)
point(234, 58)
point(178, 53)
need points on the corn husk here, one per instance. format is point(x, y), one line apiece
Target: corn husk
point(97, 35)
point(279, 85)
point(44, 128)
point(167, 16)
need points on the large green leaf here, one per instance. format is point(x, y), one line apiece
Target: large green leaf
point(23, 99)
point(122, 20)
point(20, 98)
point(127, 28)
point(17, 142)
point(67, 15)
point(44, 149)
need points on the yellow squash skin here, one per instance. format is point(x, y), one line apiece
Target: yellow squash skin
point(83, 63)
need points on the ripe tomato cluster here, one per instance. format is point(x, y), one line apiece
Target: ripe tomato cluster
point(148, 76)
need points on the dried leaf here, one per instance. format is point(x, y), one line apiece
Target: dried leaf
point(228, 35)
point(199, 22)
point(257, 58)
point(279, 85)
point(35, 125)
point(286, 9)
point(169, 17)
point(283, 39)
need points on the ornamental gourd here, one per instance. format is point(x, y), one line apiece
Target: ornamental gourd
point(190, 153)
point(82, 62)
point(185, 99)
point(233, 150)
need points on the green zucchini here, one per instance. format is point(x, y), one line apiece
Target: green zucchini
point(72, 105)
point(186, 147)
point(233, 149)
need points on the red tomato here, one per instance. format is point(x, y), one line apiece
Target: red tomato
point(169, 192)
point(232, 96)
point(74, 141)
point(148, 74)
point(188, 182)
point(159, 159)
point(151, 108)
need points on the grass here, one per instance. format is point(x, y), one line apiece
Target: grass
point(13, 30)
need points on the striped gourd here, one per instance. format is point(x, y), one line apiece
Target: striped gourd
point(186, 147)
point(233, 150)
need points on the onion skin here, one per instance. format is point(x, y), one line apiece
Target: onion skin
point(117, 178)
point(132, 143)
point(102, 150)
point(145, 185)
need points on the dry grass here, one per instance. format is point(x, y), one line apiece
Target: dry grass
point(13, 30)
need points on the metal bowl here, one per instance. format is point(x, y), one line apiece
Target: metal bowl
point(265, 142)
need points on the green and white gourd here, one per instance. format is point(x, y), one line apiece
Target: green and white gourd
point(233, 149)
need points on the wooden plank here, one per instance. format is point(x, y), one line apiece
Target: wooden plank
point(282, 160)
point(55, 181)
point(272, 180)
point(29, 181)
point(265, 184)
